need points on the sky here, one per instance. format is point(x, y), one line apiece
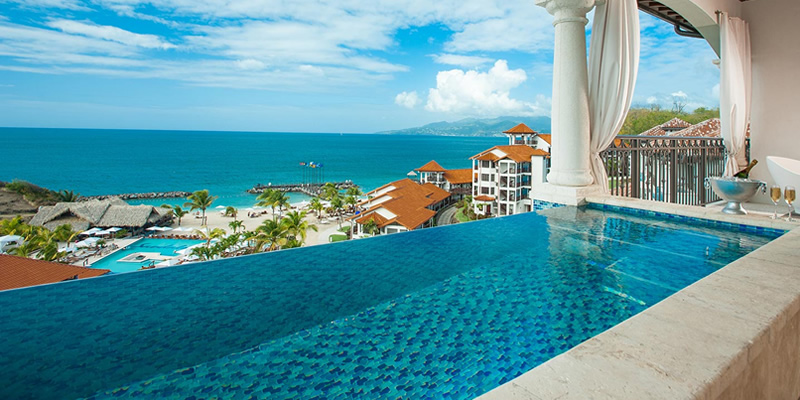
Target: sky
point(302, 65)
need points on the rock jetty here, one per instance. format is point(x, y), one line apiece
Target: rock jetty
point(138, 196)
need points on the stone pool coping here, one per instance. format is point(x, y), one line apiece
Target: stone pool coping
point(733, 334)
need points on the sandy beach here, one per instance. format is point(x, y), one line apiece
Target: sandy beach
point(217, 220)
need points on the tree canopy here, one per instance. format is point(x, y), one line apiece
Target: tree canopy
point(641, 119)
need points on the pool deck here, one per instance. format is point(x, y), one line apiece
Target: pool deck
point(732, 335)
point(121, 244)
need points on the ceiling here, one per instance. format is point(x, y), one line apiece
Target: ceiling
point(660, 11)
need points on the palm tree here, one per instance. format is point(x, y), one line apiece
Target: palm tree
point(67, 196)
point(267, 199)
point(270, 233)
point(178, 212)
point(231, 211)
point(25, 249)
point(317, 206)
point(204, 253)
point(208, 236)
point(371, 227)
point(12, 226)
point(337, 204)
point(354, 191)
point(351, 201)
point(235, 225)
point(225, 244)
point(466, 207)
point(200, 199)
point(281, 200)
point(328, 190)
point(64, 233)
point(296, 225)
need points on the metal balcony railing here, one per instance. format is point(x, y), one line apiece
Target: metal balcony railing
point(665, 168)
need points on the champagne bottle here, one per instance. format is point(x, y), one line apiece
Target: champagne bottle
point(745, 173)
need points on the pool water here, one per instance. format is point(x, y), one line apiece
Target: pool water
point(449, 312)
point(166, 247)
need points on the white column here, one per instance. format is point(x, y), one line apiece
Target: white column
point(571, 164)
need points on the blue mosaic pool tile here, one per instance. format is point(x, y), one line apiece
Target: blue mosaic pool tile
point(539, 205)
point(771, 232)
point(448, 312)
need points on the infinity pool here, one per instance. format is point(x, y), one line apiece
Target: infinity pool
point(448, 312)
point(166, 247)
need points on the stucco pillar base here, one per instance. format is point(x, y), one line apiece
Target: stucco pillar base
point(570, 177)
point(571, 196)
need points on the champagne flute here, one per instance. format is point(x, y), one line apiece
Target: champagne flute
point(788, 195)
point(775, 195)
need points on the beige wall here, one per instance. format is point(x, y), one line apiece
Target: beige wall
point(775, 117)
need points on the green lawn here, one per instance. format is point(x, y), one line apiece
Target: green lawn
point(337, 238)
point(460, 217)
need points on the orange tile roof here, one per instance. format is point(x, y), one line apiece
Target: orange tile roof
point(547, 137)
point(399, 184)
point(707, 128)
point(521, 128)
point(18, 272)
point(380, 221)
point(484, 197)
point(486, 157)
point(516, 152)
point(671, 125)
point(458, 176)
point(408, 203)
point(431, 166)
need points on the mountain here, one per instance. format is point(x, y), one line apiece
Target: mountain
point(476, 127)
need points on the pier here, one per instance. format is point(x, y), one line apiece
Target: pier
point(309, 189)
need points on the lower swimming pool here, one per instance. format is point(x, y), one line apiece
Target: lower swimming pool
point(165, 247)
point(448, 312)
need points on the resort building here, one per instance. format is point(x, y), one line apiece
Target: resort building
point(101, 214)
point(17, 272)
point(402, 205)
point(457, 182)
point(504, 175)
point(674, 125)
point(522, 134)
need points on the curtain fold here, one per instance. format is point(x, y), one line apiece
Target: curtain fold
point(734, 88)
point(613, 66)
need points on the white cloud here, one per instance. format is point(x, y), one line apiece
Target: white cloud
point(110, 33)
point(480, 93)
point(62, 4)
point(407, 99)
point(461, 60)
point(680, 94)
point(250, 64)
point(652, 100)
point(312, 69)
point(348, 43)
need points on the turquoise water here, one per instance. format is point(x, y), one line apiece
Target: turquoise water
point(94, 162)
point(448, 312)
point(166, 247)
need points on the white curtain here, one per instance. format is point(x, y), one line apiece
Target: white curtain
point(734, 88)
point(613, 65)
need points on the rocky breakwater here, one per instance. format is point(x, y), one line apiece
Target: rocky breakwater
point(137, 196)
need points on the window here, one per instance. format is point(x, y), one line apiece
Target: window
point(484, 190)
point(485, 164)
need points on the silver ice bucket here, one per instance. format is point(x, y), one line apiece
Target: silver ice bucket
point(735, 191)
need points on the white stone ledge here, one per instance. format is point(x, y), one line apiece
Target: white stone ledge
point(732, 335)
point(713, 214)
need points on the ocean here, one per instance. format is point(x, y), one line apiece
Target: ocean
point(106, 161)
